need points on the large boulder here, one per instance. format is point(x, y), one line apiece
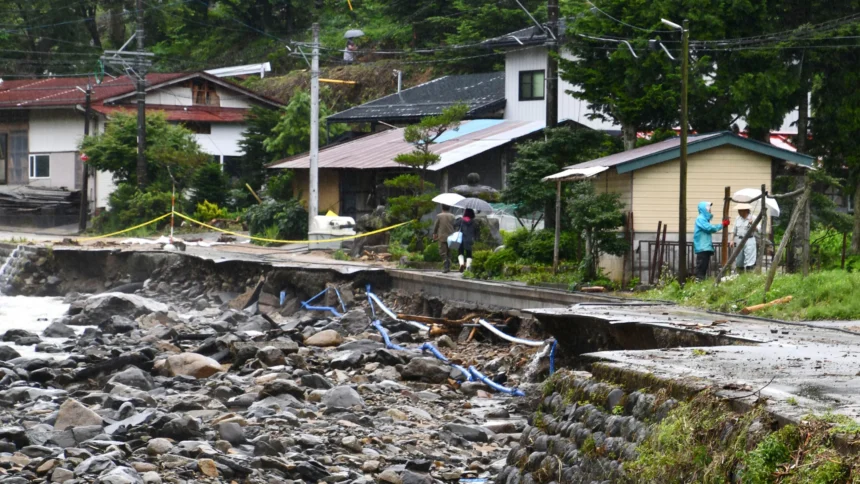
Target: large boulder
point(355, 321)
point(191, 364)
point(58, 330)
point(8, 353)
point(325, 338)
point(428, 370)
point(120, 475)
point(101, 307)
point(342, 397)
point(75, 414)
point(133, 377)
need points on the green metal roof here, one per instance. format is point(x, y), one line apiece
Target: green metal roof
point(670, 149)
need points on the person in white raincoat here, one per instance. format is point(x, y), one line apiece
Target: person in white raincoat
point(746, 259)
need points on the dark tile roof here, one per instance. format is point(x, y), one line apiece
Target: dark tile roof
point(483, 93)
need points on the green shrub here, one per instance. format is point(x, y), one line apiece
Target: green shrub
point(538, 246)
point(431, 253)
point(209, 183)
point(288, 217)
point(209, 211)
point(280, 187)
point(239, 198)
point(128, 206)
point(479, 263)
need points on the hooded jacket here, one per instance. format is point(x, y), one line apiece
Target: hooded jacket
point(702, 241)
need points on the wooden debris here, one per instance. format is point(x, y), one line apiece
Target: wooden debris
point(758, 307)
point(439, 321)
point(472, 334)
point(593, 289)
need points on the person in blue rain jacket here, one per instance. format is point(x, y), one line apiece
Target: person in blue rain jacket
point(703, 244)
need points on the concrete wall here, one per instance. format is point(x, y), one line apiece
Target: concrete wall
point(655, 188)
point(568, 106)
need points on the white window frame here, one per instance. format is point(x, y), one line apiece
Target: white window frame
point(32, 166)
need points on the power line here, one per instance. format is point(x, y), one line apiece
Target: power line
point(627, 24)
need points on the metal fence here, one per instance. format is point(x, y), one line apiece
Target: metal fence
point(649, 271)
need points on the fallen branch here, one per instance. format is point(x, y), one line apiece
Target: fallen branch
point(593, 289)
point(758, 307)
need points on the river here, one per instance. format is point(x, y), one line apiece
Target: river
point(33, 314)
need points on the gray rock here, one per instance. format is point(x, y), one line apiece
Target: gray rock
point(316, 381)
point(120, 475)
point(343, 360)
point(118, 324)
point(62, 475)
point(271, 356)
point(281, 387)
point(363, 345)
point(232, 432)
point(101, 307)
point(151, 477)
point(58, 330)
point(342, 397)
point(468, 432)
point(181, 428)
point(158, 446)
point(8, 353)
point(95, 465)
point(306, 440)
point(14, 335)
point(445, 341)
point(428, 370)
point(355, 321)
point(133, 377)
point(73, 413)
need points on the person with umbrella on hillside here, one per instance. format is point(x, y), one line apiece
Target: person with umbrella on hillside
point(467, 227)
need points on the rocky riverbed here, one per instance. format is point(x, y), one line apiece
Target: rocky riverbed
point(179, 383)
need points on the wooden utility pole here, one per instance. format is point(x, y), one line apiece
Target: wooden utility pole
point(85, 172)
point(552, 64)
point(762, 250)
point(724, 252)
point(313, 191)
point(682, 188)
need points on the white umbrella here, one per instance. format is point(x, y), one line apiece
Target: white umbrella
point(748, 194)
point(449, 199)
point(352, 34)
point(475, 204)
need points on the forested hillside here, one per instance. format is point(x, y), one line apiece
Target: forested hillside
point(64, 37)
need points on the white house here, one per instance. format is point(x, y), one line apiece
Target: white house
point(525, 81)
point(42, 122)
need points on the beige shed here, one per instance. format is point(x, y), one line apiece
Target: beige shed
point(647, 179)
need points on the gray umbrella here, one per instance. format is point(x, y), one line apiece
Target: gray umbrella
point(352, 34)
point(475, 204)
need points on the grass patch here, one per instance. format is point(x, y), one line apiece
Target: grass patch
point(825, 295)
point(704, 441)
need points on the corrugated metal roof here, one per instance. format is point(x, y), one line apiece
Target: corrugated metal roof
point(68, 91)
point(378, 150)
point(64, 91)
point(483, 93)
point(647, 150)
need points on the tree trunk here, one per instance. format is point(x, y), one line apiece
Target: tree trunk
point(855, 235)
point(117, 25)
point(628, 136)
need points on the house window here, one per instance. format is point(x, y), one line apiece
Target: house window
point(531, 85)
point(203, 93)
point(40, 166)
point(198, 127)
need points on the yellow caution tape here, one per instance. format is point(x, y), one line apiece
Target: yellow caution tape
point(126, 230)
point(276, 241)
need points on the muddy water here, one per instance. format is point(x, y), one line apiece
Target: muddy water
point(33, 314)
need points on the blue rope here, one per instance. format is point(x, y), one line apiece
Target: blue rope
point(322, 308)
point(552, 357)
point(429, 347)
point(495, 386)
point(342, 305)
point(315, 297)
point(370, 301)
